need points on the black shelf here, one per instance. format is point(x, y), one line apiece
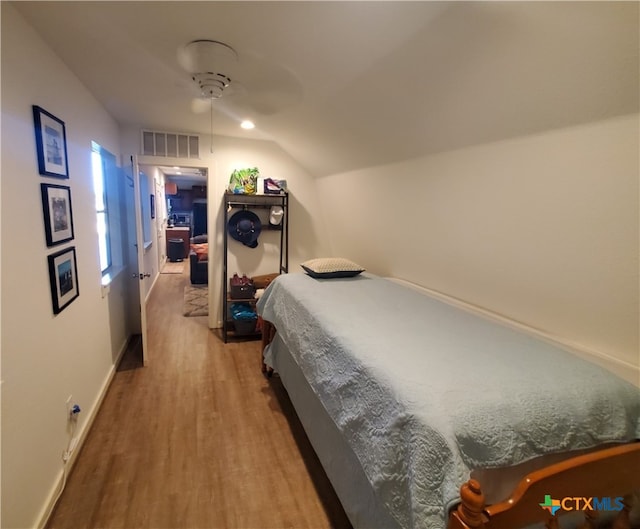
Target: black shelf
point(232, 333)
point(232, 203)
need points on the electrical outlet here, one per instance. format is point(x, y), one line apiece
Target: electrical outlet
point(72, 418)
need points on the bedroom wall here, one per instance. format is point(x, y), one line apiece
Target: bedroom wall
point(543, 229)
point(47, 357)
point(307, 235)
point(151, 259)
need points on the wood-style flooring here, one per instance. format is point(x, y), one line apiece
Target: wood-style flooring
point(197, 439)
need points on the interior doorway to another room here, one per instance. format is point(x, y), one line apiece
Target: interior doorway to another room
point(186, 196)
point(185, 227)
point(179, 196)
point(167, 204)
point(186, 207)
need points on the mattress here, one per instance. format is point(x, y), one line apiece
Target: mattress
point(340, 464)
point(423, 393)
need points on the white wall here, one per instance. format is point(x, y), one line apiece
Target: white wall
point(307, 235)
point(151, 253)
point(543, 229)
point(46, 357)
point(160, 222)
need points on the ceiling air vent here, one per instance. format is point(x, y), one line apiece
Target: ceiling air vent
point(170, 144)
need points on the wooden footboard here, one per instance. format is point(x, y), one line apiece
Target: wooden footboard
point(605, 480)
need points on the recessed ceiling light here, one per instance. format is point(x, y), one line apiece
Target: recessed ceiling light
point(176, 167)
point(248, 125)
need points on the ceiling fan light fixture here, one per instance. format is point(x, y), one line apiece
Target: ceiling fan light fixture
point(211, 84)
point(210, 64)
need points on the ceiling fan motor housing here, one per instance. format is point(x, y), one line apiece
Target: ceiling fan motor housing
point(209, 62)
point(211, 84)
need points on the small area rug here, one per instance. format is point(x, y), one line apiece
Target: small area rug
point(173, 268)
point(196, 300)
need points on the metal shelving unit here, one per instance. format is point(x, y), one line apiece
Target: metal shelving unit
point(233, 203)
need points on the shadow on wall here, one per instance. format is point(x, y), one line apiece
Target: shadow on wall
point(302, 234)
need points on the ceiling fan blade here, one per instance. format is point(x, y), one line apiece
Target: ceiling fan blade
point(205, 55)
point(269, 102)
point(233, 95)
point(200, 105)
point(240, 83)
point(270, 88)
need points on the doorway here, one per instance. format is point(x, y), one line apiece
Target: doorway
point(165, 197)
point(186, 204)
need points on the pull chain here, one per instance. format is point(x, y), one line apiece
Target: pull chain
point(211, 127)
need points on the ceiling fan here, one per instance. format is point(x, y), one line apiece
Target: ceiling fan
point(235, 84)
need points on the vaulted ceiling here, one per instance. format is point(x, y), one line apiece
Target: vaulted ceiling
point(342, 85)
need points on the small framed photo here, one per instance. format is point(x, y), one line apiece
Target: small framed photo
point(58, 215)
point(51, 142)
point(63, 275)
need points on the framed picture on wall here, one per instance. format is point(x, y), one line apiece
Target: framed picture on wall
point(51, 143)
point(63, 276)
point(58, 215)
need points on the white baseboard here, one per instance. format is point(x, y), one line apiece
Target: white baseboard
point(52, 498)
point(153, 284)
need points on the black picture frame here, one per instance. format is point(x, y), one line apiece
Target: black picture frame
point(58, 213)
point(63, 276)
point(51, 143)
point(153, 206)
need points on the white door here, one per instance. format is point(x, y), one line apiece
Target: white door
point(140, 274)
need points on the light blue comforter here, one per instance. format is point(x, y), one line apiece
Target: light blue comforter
point(424, 392)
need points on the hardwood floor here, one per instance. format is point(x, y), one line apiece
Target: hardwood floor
point(197, 439)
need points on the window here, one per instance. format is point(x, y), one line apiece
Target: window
point(102, 212)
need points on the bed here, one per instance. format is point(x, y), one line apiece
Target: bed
point(405, 398)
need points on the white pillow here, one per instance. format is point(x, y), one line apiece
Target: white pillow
point(331, 267)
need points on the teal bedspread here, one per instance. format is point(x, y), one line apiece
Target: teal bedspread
point(424, 392)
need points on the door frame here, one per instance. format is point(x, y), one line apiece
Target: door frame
point(140, 273)
point(213, 212)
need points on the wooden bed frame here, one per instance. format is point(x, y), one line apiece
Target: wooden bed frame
point(608, 473)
